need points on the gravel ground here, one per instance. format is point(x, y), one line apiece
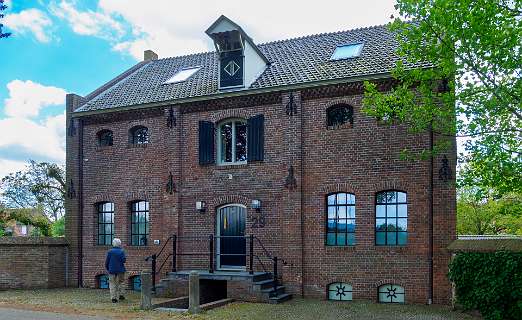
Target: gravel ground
point(90, 302)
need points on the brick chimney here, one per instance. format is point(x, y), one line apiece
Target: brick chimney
point(149, 55)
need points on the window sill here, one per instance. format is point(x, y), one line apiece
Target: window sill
point(103, 148)
point(224, 166)
point(138, 146)
point(336, 247)
point(340, 127)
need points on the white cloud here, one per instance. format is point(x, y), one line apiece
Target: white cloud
point(30, 20)
point(173, 28)
point(27, 98)
point(89, 23)
point(10, 166)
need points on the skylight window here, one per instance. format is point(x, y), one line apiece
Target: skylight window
point(347, 51)
point(183, 75)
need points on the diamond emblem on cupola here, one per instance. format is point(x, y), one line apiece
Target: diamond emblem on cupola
point(231, 68)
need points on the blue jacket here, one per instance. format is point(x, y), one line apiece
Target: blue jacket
point(114, 263)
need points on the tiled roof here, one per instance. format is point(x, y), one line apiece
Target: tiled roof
point(486, 244)
point(292, 62)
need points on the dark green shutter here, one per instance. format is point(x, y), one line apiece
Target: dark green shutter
point(256, 138)
point(206, 142)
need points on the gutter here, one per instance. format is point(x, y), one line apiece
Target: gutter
point(80, 203)
point(238, 93)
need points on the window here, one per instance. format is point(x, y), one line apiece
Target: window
point(391, 218)
point(232, 142)
point(340, 291)
point(136, 283)
point(390, 293)
point(139, 223)
point(104, 138)
point(139, 135)
point(347, 51)
point(183, 75)
point(340, 224)
point(105, 223)
point(338, 115)
point(103, 281)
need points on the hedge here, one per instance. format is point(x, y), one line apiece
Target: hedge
point(489, 282)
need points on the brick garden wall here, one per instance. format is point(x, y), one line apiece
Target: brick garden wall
point(28, 263)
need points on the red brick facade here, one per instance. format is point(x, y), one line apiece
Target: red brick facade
point(362, 159)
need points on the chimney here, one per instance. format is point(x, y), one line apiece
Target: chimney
point(149, 55)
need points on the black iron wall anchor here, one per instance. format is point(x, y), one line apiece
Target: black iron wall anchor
point(291, 182)
point(291, 105)
point(171, 186)
point(71, 193)
point(445, 173)
point(171, 119)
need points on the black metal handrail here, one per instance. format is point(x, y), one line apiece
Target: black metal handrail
point(210, 253)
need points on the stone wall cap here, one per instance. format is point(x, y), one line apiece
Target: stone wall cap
point(33, 241)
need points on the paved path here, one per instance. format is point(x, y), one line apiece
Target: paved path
point(16, 314)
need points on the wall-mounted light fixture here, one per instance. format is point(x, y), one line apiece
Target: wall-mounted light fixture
point(201, 206)
point(256, 204)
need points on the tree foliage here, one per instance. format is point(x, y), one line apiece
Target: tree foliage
point(481, 215)
point(30, 217)
point(474, 91)
point(490, 283)
point(2, 8)
point(40, 185)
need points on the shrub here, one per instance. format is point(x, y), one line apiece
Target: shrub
point(489, 282)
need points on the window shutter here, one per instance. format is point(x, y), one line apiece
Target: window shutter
point(206, 142)
point(256, 138)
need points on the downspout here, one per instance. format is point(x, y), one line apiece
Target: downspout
point(302, 199)
point(80, 203)
point(430, 222)
point(180, 164)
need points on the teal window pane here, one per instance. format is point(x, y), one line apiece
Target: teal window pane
point(350, 239)
point(341, 226)
point(108, 240)
point(341, 239)
point(403, 238)
point(380, 225)
point(391, 238)
point(331, 225)
point(330, 239)
point(380, 238)
point(402, 224)
point(350, 226)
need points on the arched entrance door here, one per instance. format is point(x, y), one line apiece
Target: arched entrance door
point(231, 242)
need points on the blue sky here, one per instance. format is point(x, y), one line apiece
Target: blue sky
point(63, 46)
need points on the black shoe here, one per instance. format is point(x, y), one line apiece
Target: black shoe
point(114, 300)
point(122, 298)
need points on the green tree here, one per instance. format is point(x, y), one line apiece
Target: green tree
point(40, 185)
point(474, 91)
point(479, 215)
point(58, 228)
point(2, 8)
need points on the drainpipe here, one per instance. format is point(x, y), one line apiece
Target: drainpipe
point(180, 164)
point(302, 198)
point(430, 222)
point(80, 203)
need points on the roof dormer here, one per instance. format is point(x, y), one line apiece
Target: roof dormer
point(240, 60)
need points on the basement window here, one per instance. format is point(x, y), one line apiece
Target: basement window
point(347, 51)
point(183, 75)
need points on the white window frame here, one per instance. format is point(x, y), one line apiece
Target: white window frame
point(220, 160)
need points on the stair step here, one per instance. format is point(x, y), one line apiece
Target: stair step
point(264, 284)
point(280, 298)
point(280, 289)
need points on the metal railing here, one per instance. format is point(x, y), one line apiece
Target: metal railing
point(210, 252)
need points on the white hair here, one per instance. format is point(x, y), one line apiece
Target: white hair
point(116, 242)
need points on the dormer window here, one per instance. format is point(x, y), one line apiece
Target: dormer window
point(183, 75)
point(347, 51)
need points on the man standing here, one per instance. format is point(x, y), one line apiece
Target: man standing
point(115, 265)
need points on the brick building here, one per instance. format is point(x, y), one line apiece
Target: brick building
point(266, 140)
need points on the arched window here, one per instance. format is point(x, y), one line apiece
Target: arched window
point(102, 281)
point(139, 135)
point(340, 291)
point(391, 218)
point(232, 141)
point(390, 293)
point(135, 283)
point(340, 222)
point(105, 212)
point(338, 115)
point(104, 138)
point(139, 223)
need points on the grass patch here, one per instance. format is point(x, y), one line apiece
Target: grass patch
point(97, 302)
